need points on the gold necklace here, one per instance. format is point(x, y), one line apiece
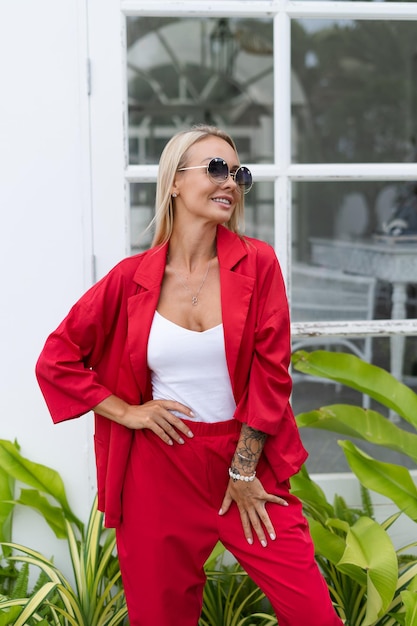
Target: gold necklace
point(194, 297)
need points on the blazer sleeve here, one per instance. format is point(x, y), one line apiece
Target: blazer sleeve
point(265, 402)
point(65, 369)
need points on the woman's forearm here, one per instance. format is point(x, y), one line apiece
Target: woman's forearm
point(113, 408)
point(248, 450)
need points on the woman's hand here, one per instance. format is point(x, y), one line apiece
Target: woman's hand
point(251, 499)
point(156, 415)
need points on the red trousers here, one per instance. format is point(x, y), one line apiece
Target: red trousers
point(171, 499)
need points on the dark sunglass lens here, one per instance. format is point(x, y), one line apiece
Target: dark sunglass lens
point(218, 169)
point(243, 178)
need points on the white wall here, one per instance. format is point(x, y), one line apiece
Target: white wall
point(45, 234)
point(46, 213)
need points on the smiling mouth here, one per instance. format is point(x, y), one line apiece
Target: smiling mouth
point(223, 201)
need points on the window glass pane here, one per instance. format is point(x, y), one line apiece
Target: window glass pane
point(142, 209)
point(259, 213)
point(325, 454)
point(185, 71)
point(366, 230)
point(354, 99)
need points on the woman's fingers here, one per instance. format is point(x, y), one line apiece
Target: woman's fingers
point(172, 405)
point(157, 416)
point(247, 526)
point(251, 501)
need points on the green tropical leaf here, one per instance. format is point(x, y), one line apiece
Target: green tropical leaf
point(35, 475)
point(20, 589)
point(369, 550)
point(301, 483)
point(32, 604)
point(326, 543)
point(6, 505)
point(409, 599)
point(391, 481)
point(407, 579)
point(9, 612)
point(52, 515)
point(352, 371)
point(218, 550)
point(365, 424)
point(117, 619)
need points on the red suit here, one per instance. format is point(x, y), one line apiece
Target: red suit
point(101, 349)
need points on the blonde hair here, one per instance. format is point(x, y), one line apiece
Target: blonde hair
point(173, 157)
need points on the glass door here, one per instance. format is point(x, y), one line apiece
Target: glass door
point(322, 113)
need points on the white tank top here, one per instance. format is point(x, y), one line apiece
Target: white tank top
point(190, 367)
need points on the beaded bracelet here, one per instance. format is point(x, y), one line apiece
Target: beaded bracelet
point(236, 476)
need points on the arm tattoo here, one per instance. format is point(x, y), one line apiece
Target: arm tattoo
point(248, 449)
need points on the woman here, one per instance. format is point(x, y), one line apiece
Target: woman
point(183, 352)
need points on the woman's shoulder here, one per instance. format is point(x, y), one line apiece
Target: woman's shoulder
point(261, 249)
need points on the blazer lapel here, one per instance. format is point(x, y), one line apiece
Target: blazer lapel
point(141, 310)
point(236, 294)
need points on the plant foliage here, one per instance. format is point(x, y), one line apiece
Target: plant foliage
point(371, 583)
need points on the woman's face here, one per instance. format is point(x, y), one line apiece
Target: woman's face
point(198, 197)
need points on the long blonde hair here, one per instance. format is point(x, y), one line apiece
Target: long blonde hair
point(173, 157)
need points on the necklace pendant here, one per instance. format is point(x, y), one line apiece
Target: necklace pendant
point(194, 300)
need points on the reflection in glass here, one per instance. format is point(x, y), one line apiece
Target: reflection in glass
point(142, 210)
point(185, 71)
point(345, 267)
point(259, 214)
point(325, 454)
point(354, 100)
point(352, 211)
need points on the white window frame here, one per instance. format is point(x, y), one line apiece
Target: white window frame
point(112, 174)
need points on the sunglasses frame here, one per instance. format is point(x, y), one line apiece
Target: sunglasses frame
point(229, 173)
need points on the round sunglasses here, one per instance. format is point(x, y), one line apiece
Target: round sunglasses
point(218, 172)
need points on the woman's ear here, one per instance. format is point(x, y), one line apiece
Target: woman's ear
point(174, 190)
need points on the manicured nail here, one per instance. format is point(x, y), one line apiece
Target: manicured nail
point(273, 536)
point(192, 414)
point(190, 434)
point(250, 540)
point(170, 442)
point(221, 512)
point(180, 440)
point(263, 543)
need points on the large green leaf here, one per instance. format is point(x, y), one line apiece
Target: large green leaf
point(369, 550)
point(353, 421)
point(392, 481)
point(35, 475)
point(409, 599)
point(218, 550)
point(364, 377)
point(311, 495)
point(77, 606)
point(34, 603)
point(53, 515)
point(6, 505)
point(8, 612)
point(327, 543)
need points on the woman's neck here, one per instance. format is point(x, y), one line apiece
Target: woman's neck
point(190, 250)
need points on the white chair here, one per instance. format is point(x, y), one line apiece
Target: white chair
point(322, 294)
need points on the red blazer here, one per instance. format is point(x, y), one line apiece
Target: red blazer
point(100, 349)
